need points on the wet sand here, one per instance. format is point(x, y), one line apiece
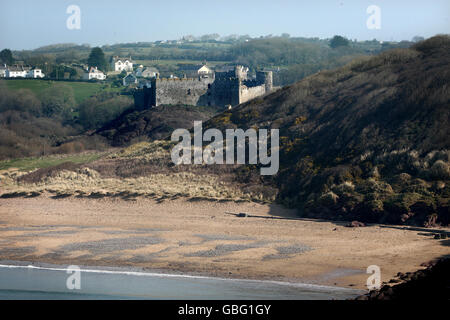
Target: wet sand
point(207, 238)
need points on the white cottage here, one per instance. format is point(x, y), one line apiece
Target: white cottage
point(204, 70)
point(17, 72)
point(20, 72)
point(94, 73)
point(120, 64)
point(146, 72)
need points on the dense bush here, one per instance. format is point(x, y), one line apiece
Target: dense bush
point(23, 101)
point(32, 126)
point(97, 111)
point(58, 100)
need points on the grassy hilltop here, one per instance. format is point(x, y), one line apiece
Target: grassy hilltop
point(81, 90)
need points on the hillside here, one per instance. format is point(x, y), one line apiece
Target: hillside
point(41, 117)
point(153, 124)
point(369, 141)
point(293, 58)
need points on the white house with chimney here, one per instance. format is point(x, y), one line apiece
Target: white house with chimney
point(94, 73)
point(17, 71)
point(120, 64)
point(22, 72)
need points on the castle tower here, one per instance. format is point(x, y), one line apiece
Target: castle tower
point(240, 72)
point(266, 78)
point(268, 81)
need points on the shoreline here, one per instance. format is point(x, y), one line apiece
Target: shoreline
point(200, 239)
point(145, 273)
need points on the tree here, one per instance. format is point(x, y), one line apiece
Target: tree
point(6, 56)
point(98, 110)
point(418, 39)
point(22, 100)
point(339, 41)
point(123, 74)
point(63, 72)
point(58, 100)
point(209, 37)
point(97, 59)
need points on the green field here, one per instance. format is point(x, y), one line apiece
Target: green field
point(82, 90)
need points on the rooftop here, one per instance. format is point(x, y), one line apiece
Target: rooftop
point(116, 58)
point(18, 68)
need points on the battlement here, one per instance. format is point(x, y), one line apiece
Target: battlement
point(182, 79)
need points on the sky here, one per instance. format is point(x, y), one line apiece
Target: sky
point(30, 24)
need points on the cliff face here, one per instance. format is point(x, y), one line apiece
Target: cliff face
point(369, 141)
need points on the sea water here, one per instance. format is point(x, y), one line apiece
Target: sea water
point(50, 282)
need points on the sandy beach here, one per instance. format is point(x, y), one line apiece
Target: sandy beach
point(208, 238)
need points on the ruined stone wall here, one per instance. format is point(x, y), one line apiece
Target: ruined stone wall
point(266, 78)
point(225, 91)
point(249, 93)
point(225, 88)
point(194, 92)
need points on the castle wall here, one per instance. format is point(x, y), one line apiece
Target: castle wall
point(183, 91)
point(249, 93)
point(265, 77)
point(225, 91)
point(225, 88)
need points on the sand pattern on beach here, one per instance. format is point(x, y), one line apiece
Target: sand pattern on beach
point(207, 238)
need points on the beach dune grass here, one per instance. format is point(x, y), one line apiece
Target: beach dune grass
point(140, 170)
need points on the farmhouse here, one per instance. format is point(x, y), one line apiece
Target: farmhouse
point(94, 73)
point(204, 70)
point(146, 72)
point(120, 64)
point(19, 71)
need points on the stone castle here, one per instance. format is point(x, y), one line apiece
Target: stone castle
point(228, 88)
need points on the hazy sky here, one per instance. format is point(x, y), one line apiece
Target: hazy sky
point(28, 24)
